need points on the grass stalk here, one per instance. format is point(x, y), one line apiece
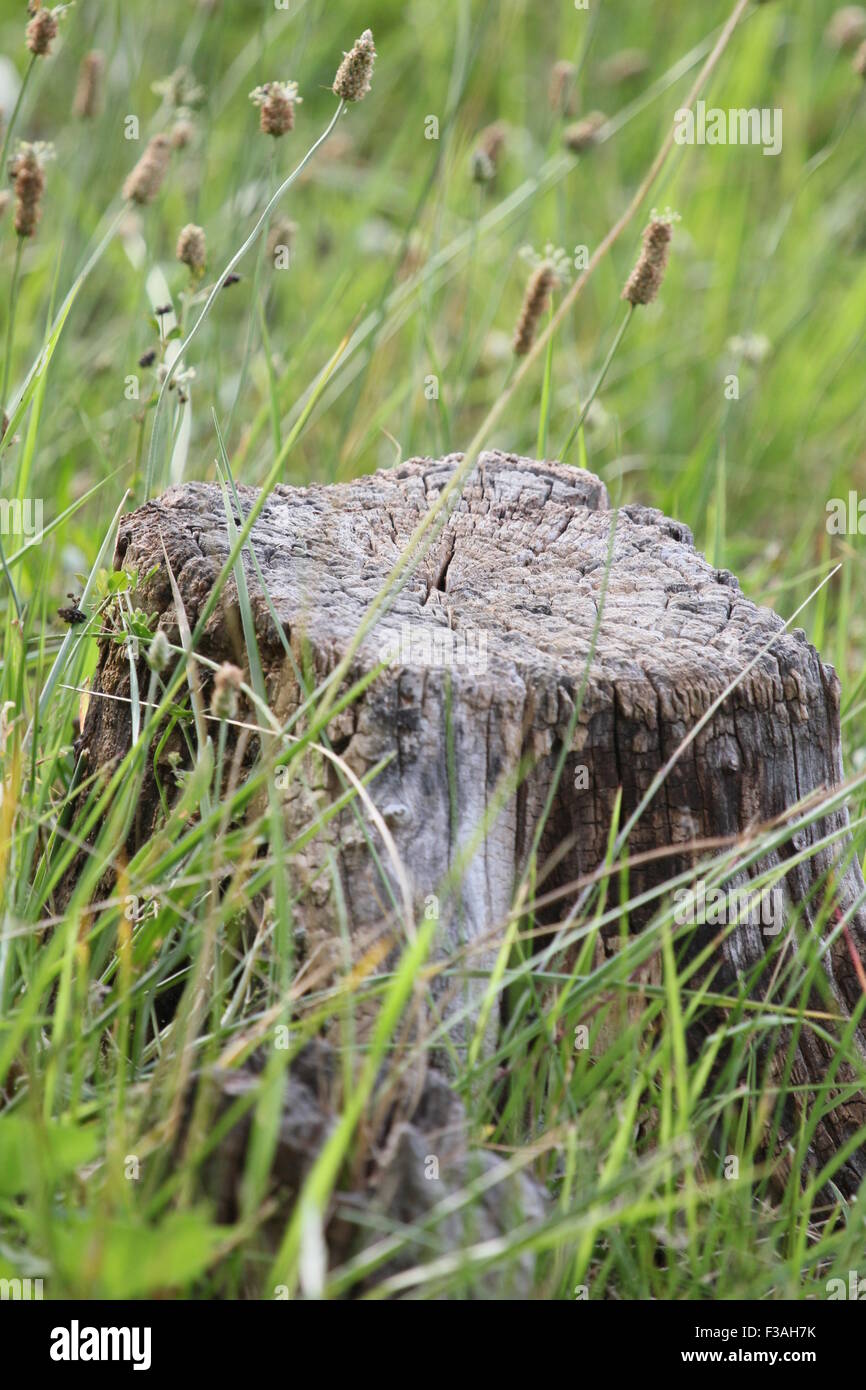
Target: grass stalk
point(597, 385)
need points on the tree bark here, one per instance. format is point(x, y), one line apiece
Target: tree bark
point(489, 640)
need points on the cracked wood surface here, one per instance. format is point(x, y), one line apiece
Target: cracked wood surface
point(488, 641)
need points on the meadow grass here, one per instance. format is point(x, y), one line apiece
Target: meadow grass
point(403, 269)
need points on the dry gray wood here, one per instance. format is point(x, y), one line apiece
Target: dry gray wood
point(490, 637)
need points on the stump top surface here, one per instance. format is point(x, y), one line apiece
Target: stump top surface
point(518, 569)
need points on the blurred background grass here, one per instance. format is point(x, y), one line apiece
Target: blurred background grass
point(389, 224)
point(763, 248)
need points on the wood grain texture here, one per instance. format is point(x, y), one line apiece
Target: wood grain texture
point(489, 639)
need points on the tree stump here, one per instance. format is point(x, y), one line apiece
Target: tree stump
point(488, 643)
point(392, 1179)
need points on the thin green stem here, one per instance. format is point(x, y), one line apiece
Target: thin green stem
point(10, 332)
point(209, 302)
point(599, 382)
point(470, 282)
point(257, 275)
point(10, 323)
point(139, 446)
point(8, 577)
point(7, 138)
point(546, 389)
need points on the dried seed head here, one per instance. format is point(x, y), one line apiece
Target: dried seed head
point(485, 158)
point(546, 275)
point(42, 31)
point(584, 133)
point(5, 200)
point(281, 236)
point(859, 63)
point(560, 92)
point(158, 654)
point(492, 141)
point(277, 101)
point(481, 167)
point(28, 180)
point(227, 683)
point(753, 348)
point(179, 90)
point(352, 82)
point(192, 248)
point(847, 28)
point(29, 187)
point(554, 256)
point(624, 66)
point(182, 133)
point(146, 179)
point(644, 283)
point(88, 93)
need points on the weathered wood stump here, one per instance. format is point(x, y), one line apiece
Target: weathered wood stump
point(391, 1181)
point(488, 642)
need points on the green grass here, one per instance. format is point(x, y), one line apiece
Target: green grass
point(403, 269)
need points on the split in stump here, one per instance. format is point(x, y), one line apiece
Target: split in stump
point(497, 664)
